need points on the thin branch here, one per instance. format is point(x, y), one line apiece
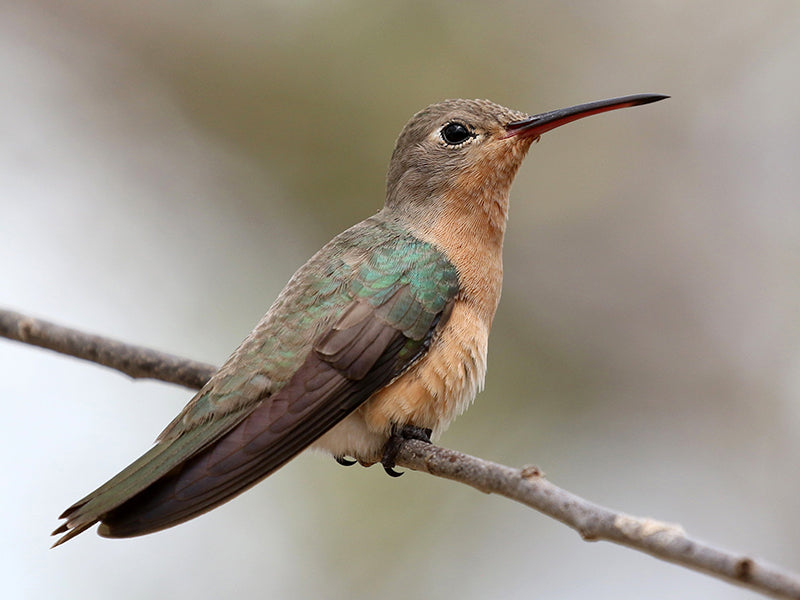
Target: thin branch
point(594, 522)
point(527, 485)
point(135, 361)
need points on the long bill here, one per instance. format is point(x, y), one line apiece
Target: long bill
point(539, 124)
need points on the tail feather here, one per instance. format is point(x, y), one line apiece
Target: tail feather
point(70, 533)
point(142, 473)
point(239, 460)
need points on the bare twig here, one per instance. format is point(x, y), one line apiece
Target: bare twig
point(135, 361)
point(594, 522)
point(527, 485)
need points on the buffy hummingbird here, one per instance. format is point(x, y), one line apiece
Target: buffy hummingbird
point(381, 336)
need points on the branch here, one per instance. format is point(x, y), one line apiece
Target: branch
point(135, 361)
point(527, 485)
point(594, 522)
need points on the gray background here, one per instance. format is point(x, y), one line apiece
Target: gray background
point(165, 167)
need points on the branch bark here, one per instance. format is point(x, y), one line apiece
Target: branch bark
point(137, 362)
point(527, 485)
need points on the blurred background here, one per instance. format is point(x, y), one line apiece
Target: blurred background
point(165, 167)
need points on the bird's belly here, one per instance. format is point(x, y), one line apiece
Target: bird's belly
point(430, 394)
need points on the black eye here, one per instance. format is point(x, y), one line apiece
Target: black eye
point(455, 133)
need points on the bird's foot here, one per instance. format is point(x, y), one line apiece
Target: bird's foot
point(345, 462)
point(395, 441)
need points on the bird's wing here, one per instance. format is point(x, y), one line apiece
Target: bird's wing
point(396, 298)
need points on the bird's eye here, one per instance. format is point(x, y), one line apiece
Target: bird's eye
point(455, 134)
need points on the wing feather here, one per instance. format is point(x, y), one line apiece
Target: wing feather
point(317, 397)
point(379, 308)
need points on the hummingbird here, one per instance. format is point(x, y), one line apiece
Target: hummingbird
point(380, 337)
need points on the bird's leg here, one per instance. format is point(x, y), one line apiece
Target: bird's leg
point(395, 441)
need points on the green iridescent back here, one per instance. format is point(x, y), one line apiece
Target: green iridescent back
point(371, 261)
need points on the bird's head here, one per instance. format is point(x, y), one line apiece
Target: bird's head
point(467, 152)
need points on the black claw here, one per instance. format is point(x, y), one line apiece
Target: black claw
point(345, 462)
point(391, 472)
point(395, 441)
point(390, 451)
